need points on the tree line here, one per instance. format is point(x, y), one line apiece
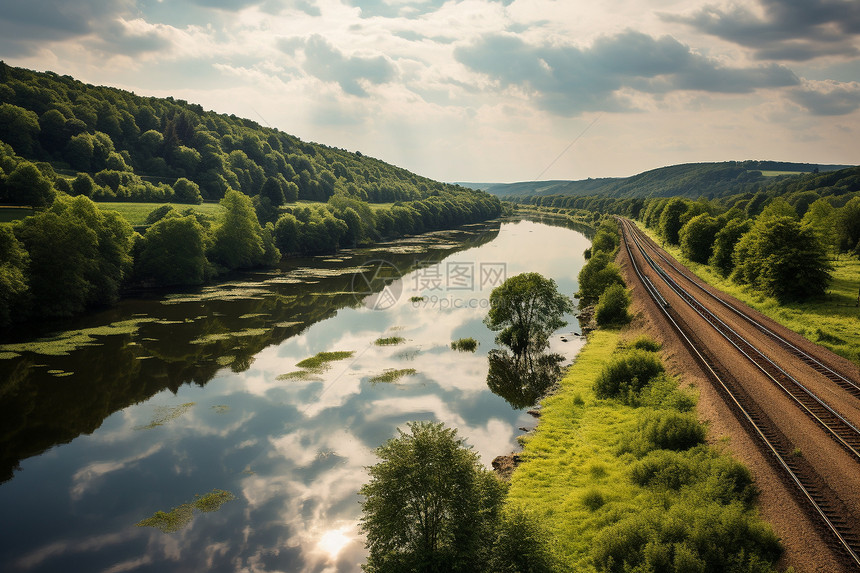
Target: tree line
point(73, 255)
point(780, 242)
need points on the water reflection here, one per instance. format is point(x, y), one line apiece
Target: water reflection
point(522, 383)
point(187, 400)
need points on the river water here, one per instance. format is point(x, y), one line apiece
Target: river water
point(194, 402)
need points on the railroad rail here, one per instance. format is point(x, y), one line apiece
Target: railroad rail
point(756, 420)
point(850, 386)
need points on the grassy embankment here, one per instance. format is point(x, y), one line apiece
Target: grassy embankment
point(830, 321)
point(615, 487)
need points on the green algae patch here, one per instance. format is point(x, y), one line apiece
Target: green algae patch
point(221, 408)
point(170, 521)
point(321, 360)
point(389, 341)
point(288, 323)
point(63, 343)
point(210, 338)
point(165, 414)
point(391, 375)
point(180, 516)
point(59, 373)
point(307, 375)
point(8, 355)
point(213, 500)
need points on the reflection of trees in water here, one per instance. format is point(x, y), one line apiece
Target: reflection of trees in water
point(188, 343)
point(522, 382)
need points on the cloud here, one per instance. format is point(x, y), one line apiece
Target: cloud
point(24, 26)
point(791, 30)
point(828, 97)
point(568, 80)
point(403, 8)
point(324, 61)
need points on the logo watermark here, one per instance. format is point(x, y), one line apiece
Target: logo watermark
point(379, 286)
point(443, 285)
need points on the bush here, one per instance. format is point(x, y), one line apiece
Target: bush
point(627, 374)
point(596, 276)
point(646, 343)
point(667, 430)
point(612, 306)
point(521, 545)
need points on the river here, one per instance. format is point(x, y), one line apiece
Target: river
point(195, 402)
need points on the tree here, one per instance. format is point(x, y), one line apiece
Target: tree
point(238, 240)
point(724, 245)
point(27, 186)
point(848, 226)
point(697, 237)
point(612, 307)
point(20, 128)
point(430, 505)
point(187, 191)
point(173, 253)
point(819, 217)
point(596, 276)
point(670, 219)
point(526, 309)
point(782, 258)
point(13, 276)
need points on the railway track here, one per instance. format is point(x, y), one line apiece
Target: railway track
point(847, 384)
point(832, 518)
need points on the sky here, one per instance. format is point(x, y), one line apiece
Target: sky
point(483, 90)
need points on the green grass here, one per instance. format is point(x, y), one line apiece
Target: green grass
point(578, 479)
point(830, 321)
point(10, 214)
point(135, 213)
point(778, 173)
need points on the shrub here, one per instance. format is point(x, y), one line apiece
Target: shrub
point(612, 307)
point(667, 430)
point(593, 500)
point(521, 545)
point(596, 276)
point(627, 374)
point(646, 343)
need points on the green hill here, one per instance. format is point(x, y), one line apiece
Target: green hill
point(136, 148)
point(687, 180)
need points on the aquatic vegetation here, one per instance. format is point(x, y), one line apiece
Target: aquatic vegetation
point(389, 341)
point(417, 298)
point(181, 515)
point(321, 360)
point(60, 373)
point(8, 355)
point(465, 345)
point(164, 414)
point(62, 344)
point(226, 335)
point(392, 375)
point(287, 323)
point(221, 408)
point(299, 375)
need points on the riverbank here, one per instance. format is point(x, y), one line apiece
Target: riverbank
point(603, 496)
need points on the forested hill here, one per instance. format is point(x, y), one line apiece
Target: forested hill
point(65, 144)
point(687, 180)
point(136, 148)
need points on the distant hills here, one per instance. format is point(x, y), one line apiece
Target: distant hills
point(686, 180)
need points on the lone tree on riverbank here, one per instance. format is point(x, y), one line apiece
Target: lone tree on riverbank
point(430, 504)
